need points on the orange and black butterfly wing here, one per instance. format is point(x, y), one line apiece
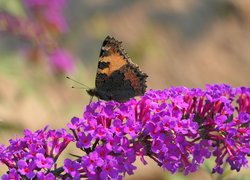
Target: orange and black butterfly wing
point(118, 78)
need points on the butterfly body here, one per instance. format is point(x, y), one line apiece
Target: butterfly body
point(118, 78)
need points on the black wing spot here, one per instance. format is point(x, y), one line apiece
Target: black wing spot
point(103, 65)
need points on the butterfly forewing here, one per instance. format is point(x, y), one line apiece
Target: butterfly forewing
point(117, 78)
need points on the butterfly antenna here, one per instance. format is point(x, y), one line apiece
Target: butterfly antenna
point(86, 87)
point(77, 87)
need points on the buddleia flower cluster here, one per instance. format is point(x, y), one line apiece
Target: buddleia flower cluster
point(34, 155)
point(179, 128)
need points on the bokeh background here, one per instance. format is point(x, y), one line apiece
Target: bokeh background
point(177, 43)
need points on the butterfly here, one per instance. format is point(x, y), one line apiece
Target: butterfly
point(117, 77)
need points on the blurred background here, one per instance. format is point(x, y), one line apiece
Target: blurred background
point(177, 43)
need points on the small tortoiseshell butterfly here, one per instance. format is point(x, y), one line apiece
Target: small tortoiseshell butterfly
point(117, 78)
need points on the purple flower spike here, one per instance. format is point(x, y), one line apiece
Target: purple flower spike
point(178, 128)
point(45, 22)
point(34, 154)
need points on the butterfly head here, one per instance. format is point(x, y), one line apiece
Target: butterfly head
point(92, 92)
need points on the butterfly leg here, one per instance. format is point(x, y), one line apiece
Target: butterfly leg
point(91, 98)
